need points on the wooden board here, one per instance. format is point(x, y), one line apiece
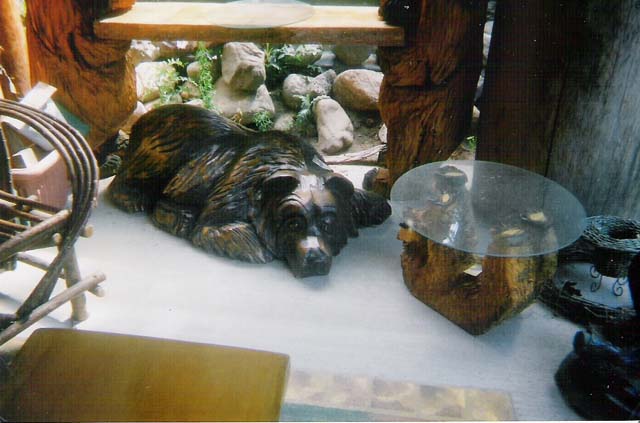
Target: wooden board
point(197, 21)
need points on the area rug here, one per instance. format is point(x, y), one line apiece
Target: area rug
point(327, 397)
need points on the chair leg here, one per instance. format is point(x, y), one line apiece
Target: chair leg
point(72, 276)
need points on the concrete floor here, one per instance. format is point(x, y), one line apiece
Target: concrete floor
point(359, 320)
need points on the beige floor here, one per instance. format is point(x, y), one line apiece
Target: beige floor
point(359, 320)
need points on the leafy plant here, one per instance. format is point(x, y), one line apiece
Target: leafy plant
point(263, 121)
point(205, 82)
point(280, 61)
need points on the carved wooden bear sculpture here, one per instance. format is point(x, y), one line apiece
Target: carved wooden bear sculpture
point(248, 195)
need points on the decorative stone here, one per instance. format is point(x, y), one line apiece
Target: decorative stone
point(195, 68)
point(195, 102)
point(189, 90)
point(335, 130)
point(133, 118)
point(358, 89)
point(179, 48)
point(243, 66)
point(285, 122)
point(382, 134)
point(296, 86)
point(193, 71)
point(304, 55)
point(143, 51)
point(171, 99)
point(241, 105)
point(353, 55)
point(327, 60)
point(151, 77)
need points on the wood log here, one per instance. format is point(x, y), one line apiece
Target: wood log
point(523, 82)
point(92, 75)
point(426, 98)
point(14, 42)
point(435, 274)
point(595, 148)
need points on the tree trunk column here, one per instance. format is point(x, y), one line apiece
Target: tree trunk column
point(92, 75)
point(13, 42)
point(426, 98)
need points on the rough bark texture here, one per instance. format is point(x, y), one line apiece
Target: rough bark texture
point(14, 43)
point(93, 78)
point(596, 145)
point(523, 82)
point(426, 98)
point(435, 275)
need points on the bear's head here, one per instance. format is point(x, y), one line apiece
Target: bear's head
point(306, 218)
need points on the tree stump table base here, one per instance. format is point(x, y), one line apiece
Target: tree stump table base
point(438, 276)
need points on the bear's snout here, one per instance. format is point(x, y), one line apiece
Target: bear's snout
point(310, 258)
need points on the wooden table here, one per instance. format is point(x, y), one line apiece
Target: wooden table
point(480, 238)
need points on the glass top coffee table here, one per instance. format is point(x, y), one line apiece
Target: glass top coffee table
point(480, 237)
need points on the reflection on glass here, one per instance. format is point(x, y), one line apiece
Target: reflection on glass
point(487, 208)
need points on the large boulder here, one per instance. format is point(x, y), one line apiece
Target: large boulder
point(169, 49)
point(302, 55)
point(335, 130)
point(296, 86)
point(241, 105)
point(154, 77)
point(243, 66)
point(358, 89)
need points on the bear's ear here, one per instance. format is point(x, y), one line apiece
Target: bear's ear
point(369, 208)
point(340, 185)
point(279, 183)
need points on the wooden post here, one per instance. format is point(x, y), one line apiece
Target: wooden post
point(92, 75)
point(14, 43)
point(523, 83)
point(426, 98)
point(596, 145)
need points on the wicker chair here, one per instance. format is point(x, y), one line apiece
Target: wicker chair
point(28, 224)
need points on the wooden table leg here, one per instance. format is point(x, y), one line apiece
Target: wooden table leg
point(436, 275)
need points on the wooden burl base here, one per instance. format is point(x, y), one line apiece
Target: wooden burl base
point(435, 274)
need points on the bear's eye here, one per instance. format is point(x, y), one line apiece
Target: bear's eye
point(295, 224)
point(327, 220)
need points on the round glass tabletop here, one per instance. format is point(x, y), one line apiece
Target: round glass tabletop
point(254, 14)
point(487, 208)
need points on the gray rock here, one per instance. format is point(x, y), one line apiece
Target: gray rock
point(179, 48)
point(133, 118)
point(303, 55)
point(193, 71)
point(152, 77)
point(195, 102)
point(285, 122)
point(143, 51)
point(372, 63)
point(241, 105)
point(327, 60)
point(296, 86)
point(189, 90)
point(195, 68)
point(382, 134)
point(171, 99)
point(335, 130)
point(243, 66)
point(358, 89)
point(353, 55)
